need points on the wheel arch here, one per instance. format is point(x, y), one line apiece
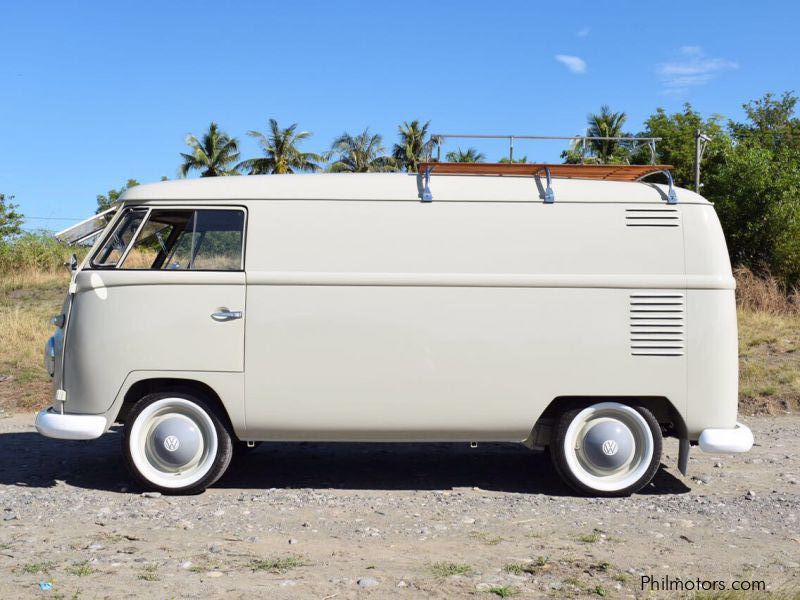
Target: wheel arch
point(143, 387)
point(671, 421)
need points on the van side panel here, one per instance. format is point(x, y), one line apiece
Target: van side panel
point(407, 363)
point(451, 321)
point(484, 238)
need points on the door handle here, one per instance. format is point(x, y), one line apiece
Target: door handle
point(226, 315)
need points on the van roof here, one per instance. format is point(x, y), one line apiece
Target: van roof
point(402, 186)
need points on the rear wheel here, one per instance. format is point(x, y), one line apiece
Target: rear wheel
point(176, 443)
point(607, 449)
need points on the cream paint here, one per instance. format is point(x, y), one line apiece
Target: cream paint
point(413, 363)
point(372, 316)
point(98, 286)
point(125, 321)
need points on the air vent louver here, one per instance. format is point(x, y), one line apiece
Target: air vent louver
point(657, 324)
point(652, 217)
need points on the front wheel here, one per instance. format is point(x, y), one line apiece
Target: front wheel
point(176, 443)
point(607, 449)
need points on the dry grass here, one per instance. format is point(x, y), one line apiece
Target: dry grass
point(448, 569)
point(27, 301)
point(769, 341)
point(769, 362)
point(143, 258)
point(33, 279)
point(769, 344)
point(765, 294)
point(140, 258)
point(280, 564)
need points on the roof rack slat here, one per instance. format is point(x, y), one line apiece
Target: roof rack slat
point(566, 171)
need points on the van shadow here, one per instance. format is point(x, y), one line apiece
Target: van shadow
point(31, 460)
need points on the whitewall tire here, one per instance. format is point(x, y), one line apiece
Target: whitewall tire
point(176, 443)
point(607, 449)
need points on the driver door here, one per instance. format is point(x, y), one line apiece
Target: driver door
point(165, 291)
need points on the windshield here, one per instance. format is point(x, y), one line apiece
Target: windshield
point(88, 229)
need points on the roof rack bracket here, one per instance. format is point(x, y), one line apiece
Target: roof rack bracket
point(427, 196)
point(672, 197)
point(549, 195)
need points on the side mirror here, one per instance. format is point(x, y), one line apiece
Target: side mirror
point(72, 264)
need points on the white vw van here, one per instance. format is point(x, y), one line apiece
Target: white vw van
point(585, 312)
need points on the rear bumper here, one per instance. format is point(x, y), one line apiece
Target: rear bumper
point(70, 427)
point(726, 441)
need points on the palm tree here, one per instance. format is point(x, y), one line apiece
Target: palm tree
point(470, 155)
point(360, 154)
point(521, 161)
point(605, 124)
point(413, 146)
point(281, 154)
point(215, 155)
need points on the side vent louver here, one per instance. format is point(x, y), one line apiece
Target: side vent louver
point(652, 217)
point(657, 324)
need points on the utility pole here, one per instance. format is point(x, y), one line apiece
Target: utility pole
point(700, 141)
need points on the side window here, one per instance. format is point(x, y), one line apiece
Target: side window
point(189, 240)
point(218, 243)
point(157, 238)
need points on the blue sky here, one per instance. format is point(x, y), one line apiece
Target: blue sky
point(94, 93)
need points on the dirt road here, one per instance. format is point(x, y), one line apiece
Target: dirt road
point(352, 520)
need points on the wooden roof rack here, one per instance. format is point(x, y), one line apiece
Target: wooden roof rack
point(565, 171)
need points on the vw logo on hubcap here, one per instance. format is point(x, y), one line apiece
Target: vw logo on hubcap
point(172, 443)
point(609, 447)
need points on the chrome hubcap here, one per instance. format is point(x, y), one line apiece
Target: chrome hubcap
point(608, 445)
point(175, 441)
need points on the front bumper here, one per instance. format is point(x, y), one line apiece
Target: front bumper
point(726, 441)
point(69, 427)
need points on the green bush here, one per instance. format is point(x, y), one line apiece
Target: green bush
point(751, 171)
point(34, 251)
point(757, 195)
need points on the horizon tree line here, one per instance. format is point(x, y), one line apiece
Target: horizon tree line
point(216, 153)
point(751, 168)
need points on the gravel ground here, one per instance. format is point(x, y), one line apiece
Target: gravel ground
point(351, 520)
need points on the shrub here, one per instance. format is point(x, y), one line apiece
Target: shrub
point(35, 251)
point(757, 195)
